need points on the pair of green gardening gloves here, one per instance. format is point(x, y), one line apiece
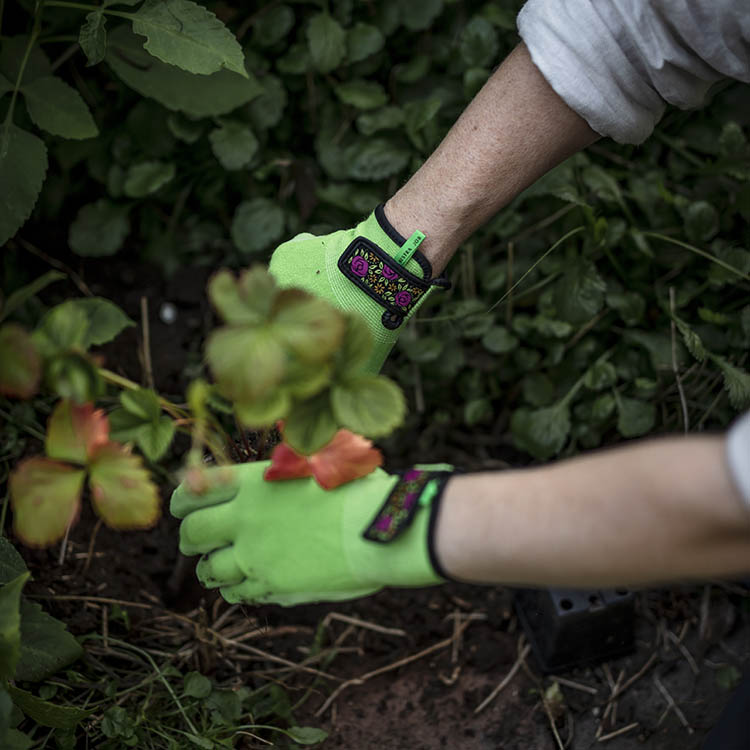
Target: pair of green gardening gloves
point(290, 541)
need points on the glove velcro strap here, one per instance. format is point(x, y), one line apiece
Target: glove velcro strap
point(414, 488)
point(379, 276)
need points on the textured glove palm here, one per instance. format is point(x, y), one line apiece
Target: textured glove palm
point(291, 541)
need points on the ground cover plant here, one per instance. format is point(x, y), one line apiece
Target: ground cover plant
point(611, 300)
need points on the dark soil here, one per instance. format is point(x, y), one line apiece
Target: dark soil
point(690, 635)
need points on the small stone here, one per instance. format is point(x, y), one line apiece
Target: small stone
point(168, 313)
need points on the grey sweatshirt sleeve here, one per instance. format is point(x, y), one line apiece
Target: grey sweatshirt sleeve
point(617, 63)
point(738, 456)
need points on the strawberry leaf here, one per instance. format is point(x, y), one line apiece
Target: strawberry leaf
point(74, 432)
point(286, 464)
point(46, 499)
point(121, 490)
point(20, 364)
point(347, 457)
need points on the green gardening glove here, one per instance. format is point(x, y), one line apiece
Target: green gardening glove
point(371, 269)
point(291, 542)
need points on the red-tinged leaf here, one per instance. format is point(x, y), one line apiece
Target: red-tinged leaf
point(46, 499)
point(347, 457)
point(121, 489)
point(75, 432)
point(287, 464)
point(209, 480)
point(20, 363)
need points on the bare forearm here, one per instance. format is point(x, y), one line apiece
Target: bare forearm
point(515, 130)
point(661, 510)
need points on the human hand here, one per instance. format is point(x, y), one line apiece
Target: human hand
point(371, 269)
point(291, 542)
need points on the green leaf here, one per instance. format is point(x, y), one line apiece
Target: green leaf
point(599, 376)
point(630, 305)
point(73, 432)
point(477, 411)
point(143, 403)
point(185, 34)
point(423, 349)
point(12, 52)
point(361, 94)
point(23, 164)
point(247, 364)
point(310, 327)
point(326, 41)
point(659, 346)
point(416, 116)
point(538, 389)
point(93, 37)
point(267, 109)
point(176, 89)
point(80, 324)
point(74, 376)
point(370, 405)
point(244, 301)
point(736, 382)
point(701, 221)
point(46, 645)
point(296, 61)
point(20, 296)
point(692, 340)
point(10, 625)
point(356, 346)
point(140, 420)
point(387, 118)
point(233, 144)
point(266, 412)
point(196, 685)
point(478, 43)
point(418, 15)
point(11, 563)
point(46, 499)
point(541, 432)
point(147, 177)
point(273, 25)
point(550, 328)
point(375, 159)
point(728, 677)
point(59, 109)
point(184, 129)
point(579, 294)
point(20, 363)
point(311, 424)
point(603, 407)
point(99, 229)
point(363, 40)
point(257, 224)
point(45, 713)
point(306, 735)
point(499, 340)
point(122, 492)
point(15, 740)
point(635, 418)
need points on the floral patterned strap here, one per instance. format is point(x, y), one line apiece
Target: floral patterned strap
point(380, 277)
point(413, 488)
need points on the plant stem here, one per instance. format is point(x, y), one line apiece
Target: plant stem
point(700, 252)
point(33, 432)
point(84, 6)
point(9, 117)
point(115, 379)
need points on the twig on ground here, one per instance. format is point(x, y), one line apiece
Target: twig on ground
point(105, 626)
point(637, 676)
point(90, 553)
point(704, 627)
point(552, 723)
point(573, 684)
point(59, 265)
point(362, 624)
point(388, 668)
point(148, 371)
point(617, 733)
point(98, 599)
point(670, 700)
point(506, 680)
point(64, 545)
point(675, 368)
point(683, 650)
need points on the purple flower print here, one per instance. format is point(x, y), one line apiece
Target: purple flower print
point(403, 299)
point(389, 273)
point(360, 266)
point(412, 474)
point(409, 500)
point(383, 523)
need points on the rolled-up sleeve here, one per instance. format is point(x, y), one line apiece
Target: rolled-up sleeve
point(738, 456)
point(618, 63)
